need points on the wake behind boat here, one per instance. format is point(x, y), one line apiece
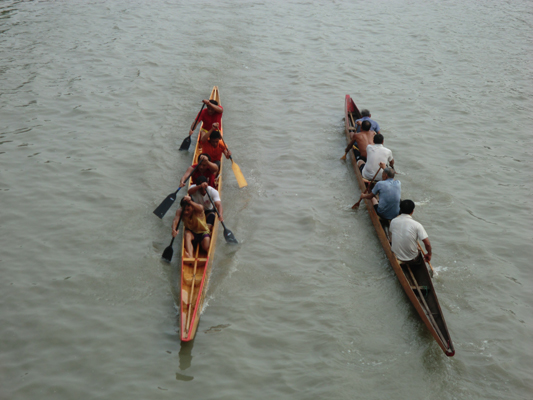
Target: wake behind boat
point(416, 282)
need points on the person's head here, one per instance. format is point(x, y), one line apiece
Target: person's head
point(215, 103)
point(407, 206)
point(201, 179)
point(388, 173)
point(365, 113)
point(214, 138)
point(204, 166)
point(185, 206)
point(366, 125)
point(378, 138)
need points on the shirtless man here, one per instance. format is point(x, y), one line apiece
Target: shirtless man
point(363, 139)
point(196, 229)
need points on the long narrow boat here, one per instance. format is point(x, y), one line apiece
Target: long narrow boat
point(195, 272)
point(416, 282)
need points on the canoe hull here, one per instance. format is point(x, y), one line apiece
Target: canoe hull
point(196, 271)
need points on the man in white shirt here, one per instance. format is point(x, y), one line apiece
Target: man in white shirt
point(199, 195)
point(377, 155)
point(405, 234)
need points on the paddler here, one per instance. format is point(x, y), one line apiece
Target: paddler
point(405, 234)
point(199, 195)
point(366, 117)
point(212, 144)
point(206, 168)
point(360, 141)
point(389, 191)
point(211, 114)
point(376, 155)
point(196, 229)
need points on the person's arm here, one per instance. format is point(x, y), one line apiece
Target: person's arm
point(391, 163)
point(367, 195)
point(175, 223)
point(205, 135)
point(195, 123)
point(427, 245)
point(186, 175)
point(347, 149)
point(217, 109)
point(193, 189)
point(227, 152)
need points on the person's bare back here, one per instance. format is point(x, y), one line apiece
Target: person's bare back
point(363, 139)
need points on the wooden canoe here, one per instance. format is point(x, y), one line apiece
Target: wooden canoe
point(195, 272)
point(416, 282)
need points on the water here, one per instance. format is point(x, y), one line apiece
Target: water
point(95, 101)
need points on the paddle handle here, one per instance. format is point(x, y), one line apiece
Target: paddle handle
point(215, 207)
point(368, 188)
point(177, 226)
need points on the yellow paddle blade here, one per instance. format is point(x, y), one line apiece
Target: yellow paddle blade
point(238, 174)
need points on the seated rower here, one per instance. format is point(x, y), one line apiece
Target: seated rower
point(206, 168)
point(199, 192)
point(196, 230)
point(366, 117)
point(210, 115)
point(405, 234)
point(213, 145)
point(362, 139)
point(389, 192)
point(376, 155)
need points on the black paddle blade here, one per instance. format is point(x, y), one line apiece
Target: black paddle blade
point(228, 235)
point(162, 209)
point(186, 144)
point(167, 254)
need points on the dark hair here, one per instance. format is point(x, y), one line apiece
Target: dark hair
point(214, 102)
point(205, 154)
point(378, 138)
point(407, 206)
point(183, 203)
point(215, 135)
point(201, 179)
point(366, 125)
point(365, 113)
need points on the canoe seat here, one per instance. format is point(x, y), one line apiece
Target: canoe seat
point(191, 260)
point(423, 289)
point(188, 277)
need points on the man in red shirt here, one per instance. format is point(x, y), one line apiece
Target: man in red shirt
point(212, 113)
point(206, 168)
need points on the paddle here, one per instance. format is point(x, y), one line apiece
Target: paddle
point(424, 254)
point(228, 235)
point(169, 251)
point(187, 141)
point(162, 209)
point(356, 205)
point(354, 127)
point(237, 171)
